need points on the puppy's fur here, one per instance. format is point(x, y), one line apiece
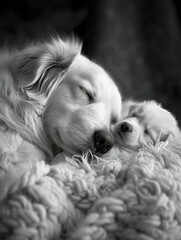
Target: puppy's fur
point(143, 123)
point(52, 86)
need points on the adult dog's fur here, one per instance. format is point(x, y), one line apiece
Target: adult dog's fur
point(78, 101)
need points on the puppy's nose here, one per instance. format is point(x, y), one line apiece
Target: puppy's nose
point(103, 141)
point(126, 127)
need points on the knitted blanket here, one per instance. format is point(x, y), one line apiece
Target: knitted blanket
point(139, 199)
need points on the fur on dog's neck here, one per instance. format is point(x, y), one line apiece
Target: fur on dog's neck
point(27, 78)
point(20, 114)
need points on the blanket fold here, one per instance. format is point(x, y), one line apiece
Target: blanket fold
point(138, 199)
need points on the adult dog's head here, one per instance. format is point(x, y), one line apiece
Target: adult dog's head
point(82, 109)
point(81, 102)
point(145, 123)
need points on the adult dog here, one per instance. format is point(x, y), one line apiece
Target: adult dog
point(51, 94)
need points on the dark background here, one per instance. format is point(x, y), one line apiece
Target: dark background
point(137, 41)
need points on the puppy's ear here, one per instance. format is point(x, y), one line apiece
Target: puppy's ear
point(127, 107)
point(170, 136)
point(39, 68)
point(133, 107)
point(166, 137)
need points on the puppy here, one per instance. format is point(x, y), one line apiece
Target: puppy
point(143, 123)
point(52, 95)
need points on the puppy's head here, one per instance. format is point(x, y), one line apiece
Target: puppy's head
point(81, 111)
point(146, 122)
point(81, 101)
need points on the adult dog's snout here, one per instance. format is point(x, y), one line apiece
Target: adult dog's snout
point(126, 127)
point(103, 141)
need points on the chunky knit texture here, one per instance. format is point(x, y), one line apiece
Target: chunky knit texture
point(139, 199)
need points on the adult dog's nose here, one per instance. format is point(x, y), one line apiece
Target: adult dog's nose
point(126, 127)
point(103, 141)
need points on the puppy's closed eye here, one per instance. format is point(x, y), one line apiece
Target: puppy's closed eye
point(133, 114)
point(114, 120)
point(147, 132)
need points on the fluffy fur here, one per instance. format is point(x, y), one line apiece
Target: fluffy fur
point(143, 123)
point(86, 101)
point(75, 96)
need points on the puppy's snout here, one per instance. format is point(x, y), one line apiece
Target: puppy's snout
point(103, 141)
point(126, 127)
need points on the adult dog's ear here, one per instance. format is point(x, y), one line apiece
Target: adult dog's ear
point(38, 69)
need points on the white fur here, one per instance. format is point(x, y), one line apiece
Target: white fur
point(44, 79)
point(150, 123)
point(73, 119)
